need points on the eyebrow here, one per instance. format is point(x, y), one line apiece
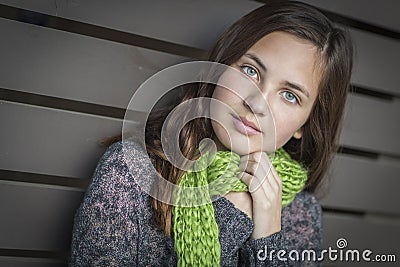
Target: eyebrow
point(297, 87)
point(257, 60)
point(287, 83)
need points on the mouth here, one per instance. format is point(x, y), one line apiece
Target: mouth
point(244, 126)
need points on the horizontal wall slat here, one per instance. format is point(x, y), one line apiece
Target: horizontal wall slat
point(192, 23)
point(60, 64)
point(364, 185)
point(379, 236)
point(67, 141)
point(372, 124)
point(350, 10)
point(376, 60)
point(49, 141)
point(90, 73)
point(50, 212)
point(92, 70)
point(36, 218)
point(371, 12)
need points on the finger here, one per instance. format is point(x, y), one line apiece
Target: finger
point(268, 180)
point(263, 196)
point(251, 163)
point(253, 184)
point(249, 167)
point(272, 175)
point(252, 157)
point(259, 165)
point(276, 180)
point(255, 175)
point(272, 187)
point(255, 164)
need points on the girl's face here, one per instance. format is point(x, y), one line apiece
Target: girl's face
point(284, 70)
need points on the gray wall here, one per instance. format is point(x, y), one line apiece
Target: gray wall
point(62, 88)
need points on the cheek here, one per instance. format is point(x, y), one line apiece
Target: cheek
point(226, 99)
point(219, 107)
point(223, 94)
point(286, 126)
point(215, 106)
point(218, 93)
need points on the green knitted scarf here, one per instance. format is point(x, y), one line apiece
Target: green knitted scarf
point(195, 229)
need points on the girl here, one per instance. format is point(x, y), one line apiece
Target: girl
point(301, 64)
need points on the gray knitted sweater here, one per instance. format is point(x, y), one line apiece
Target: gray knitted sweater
point(113, 226)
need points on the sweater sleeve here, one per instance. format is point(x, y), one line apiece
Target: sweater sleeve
point(301, 231)
point(106, 226)
point(304, 230)
point(235, 228)
point(237, 247)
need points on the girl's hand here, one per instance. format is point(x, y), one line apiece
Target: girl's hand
point(265, 188)
point(242, 201)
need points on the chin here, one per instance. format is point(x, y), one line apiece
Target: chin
point(242, 149)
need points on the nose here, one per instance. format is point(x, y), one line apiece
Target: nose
point(256, 103)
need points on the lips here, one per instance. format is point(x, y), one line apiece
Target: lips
point(244, 126)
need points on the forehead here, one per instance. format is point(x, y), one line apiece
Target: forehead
point(290, 58)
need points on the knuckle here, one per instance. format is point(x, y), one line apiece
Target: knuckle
point(250, 167)
point(258, 155)
point(253, 168)
point(245, 177)
point(264, 155)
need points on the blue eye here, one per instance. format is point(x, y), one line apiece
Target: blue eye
point(250, 71)
point(289, 96)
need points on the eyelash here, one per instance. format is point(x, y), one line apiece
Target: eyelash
point(251, 67)
point(295, 96)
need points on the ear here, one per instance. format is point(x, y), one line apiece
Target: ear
point(298, 134)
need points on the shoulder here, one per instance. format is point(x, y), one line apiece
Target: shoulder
point(117, 185)
point(123, 153)
point(305, 206)
point(305, 202)
point(115, 212)
point(124, 162)
point(304, 213)
point(302, 221)
point(123, 171)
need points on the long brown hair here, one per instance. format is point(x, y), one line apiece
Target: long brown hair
point(321, 132)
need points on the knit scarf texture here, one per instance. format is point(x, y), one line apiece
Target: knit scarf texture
point(194, 227)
